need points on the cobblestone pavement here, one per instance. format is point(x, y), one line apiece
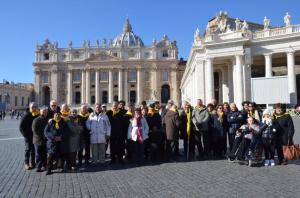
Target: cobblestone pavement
point(191, 179)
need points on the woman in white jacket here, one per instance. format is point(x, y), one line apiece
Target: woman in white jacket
point(99, 126)
point(138, 132)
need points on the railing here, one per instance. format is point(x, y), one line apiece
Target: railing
point(296, 28)
point(277, 31)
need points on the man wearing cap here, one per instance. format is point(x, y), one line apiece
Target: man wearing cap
point(26, 130)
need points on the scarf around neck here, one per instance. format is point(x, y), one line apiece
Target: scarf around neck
point(56, 123)
point(35, 113)
point(138, 122)
point(84, 115)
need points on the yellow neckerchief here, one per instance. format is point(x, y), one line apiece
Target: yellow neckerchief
point(220, 114)
point(251, 114)
point(84, 115)
point(199, 108)
point(34, 113)
point(129, 113)
point(188, 127)
point(150, 112)
point(275, 116)
point(56, 123)
point(115, 112)
point(65, 115)
point(174, 110)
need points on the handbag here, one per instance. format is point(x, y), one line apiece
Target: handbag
point(291, 152)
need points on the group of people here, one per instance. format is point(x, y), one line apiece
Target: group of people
point(64, 138)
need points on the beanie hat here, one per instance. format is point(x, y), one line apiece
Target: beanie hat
point(267, 112)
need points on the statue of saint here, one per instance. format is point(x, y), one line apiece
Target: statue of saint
point(266, 23)
point(70, 44)
point(245, 26)
point(287, 19)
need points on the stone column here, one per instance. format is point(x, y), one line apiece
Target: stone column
point(175, 88)
point(125, 86)
point(87, 87)
point(110, 86)
point(239, 93)
point(70, 88)
point(97, 86)
point(54, 83)
point(82, 86)
point(120, 86)
point(291, 77)
point(139, 86)
point(209, 79)
point(268, 64)
point(225, 84)
point(37, 86)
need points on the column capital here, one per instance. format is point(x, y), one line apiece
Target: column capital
point(290, 52)
point(268, 54)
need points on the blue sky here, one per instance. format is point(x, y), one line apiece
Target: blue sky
point(25, 23)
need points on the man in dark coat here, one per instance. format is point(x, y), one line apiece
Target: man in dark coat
point(26, 130)
point(56, 132)
point(286, 133)
point(118, 135)
point(52, 109)
point(235, 120)
point(171, 120)
point(85, 139)
point(186, 130)
point(155, 133)
point(39, 140)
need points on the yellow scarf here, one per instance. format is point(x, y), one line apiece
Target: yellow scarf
point(278, 116)
point(65, 115)
point(174, 110)
point(129, 113)
point(56, 123)
point(220, 114)
point(188, 127)
point(35, 113)
point(84, 115)
point(199, 108)
point(115, 112)
point(150, 112)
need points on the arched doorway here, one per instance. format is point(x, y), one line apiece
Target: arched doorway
point(165, 93)
point(217, 86)
point(46, 95)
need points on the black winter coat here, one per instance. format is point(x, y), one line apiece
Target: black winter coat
point(117, 123)
point(51, 132)
point(269, 132)
point(235, 120)
point(219, 126)
point(286, 128)
point(38, 127)
point(25, 126)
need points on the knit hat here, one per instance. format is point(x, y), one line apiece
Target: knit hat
point(267, 112)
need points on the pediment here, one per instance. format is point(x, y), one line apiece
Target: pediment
point(102, 57)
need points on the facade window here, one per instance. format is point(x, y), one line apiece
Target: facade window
point(165, 76)
point(104, 76)
point(22, 102)
point(16, 100)
point(63, 77)
point(115, 54)
point(104, 97)
point(132, 76)
point(93, 99)
point(116, 76)
point(63, 57)
point(77, 77)
point(132, 96)
point(28, 101)
point(77, 97)
point(0, 98)
point(93, 76)
point(46, 56)
point(116, 98)
point(165, 53)
point(46, 77)
point(77, 54)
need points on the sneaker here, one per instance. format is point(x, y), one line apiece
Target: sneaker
point(267, 162)
point(272, 162)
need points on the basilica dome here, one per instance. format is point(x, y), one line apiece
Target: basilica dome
point(127, 38)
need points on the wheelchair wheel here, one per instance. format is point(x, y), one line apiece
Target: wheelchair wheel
point(250, 163)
